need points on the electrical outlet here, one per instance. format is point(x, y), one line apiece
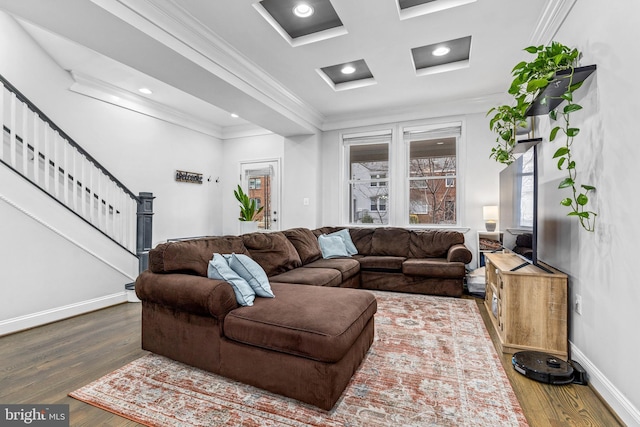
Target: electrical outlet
point(578, 304)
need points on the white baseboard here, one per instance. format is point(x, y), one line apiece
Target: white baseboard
point(625, 410)
point(28, 321)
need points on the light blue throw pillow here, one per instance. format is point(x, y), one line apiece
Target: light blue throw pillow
point(251, 271)
point(219, 269)
point(332, 246)
point(346, 237)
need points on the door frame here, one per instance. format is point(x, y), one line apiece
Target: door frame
point(276, 187)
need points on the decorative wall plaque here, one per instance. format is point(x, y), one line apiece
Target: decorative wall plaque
point(191, 177)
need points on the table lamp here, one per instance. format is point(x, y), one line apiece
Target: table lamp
point(490, 216)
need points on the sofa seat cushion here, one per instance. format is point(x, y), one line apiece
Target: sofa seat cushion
point(381, 263)
point(313, 322)
point(434, 267)
point(346, 266)
point(310, 276)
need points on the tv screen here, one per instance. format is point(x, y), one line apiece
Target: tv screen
point(518, 205)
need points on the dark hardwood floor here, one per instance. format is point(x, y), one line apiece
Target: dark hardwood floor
point(43, 364)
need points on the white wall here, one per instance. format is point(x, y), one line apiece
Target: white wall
point(601, 265)
point(142, 152)
point(301, 181)
point(478, 175)
point(54, 264)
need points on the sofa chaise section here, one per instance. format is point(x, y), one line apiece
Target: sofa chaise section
point(305, 343)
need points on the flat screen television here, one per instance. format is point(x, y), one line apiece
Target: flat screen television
point(519, 207)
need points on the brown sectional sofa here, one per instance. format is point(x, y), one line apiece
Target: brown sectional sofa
point(307, 342)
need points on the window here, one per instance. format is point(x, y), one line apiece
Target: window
point(432, 194)
point(258, 202)
point(255, 183)
point(376, 180)
point(525, 187)
point(367, 162)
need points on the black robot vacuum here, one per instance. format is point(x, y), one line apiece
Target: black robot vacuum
point(546, 368)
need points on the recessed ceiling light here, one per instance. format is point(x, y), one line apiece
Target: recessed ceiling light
point(441, 51)
point(234, 115)
point(145, 90)
point(440, 143)
point(303, 10)
point(348, 69)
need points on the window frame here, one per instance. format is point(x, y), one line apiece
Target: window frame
point(433, 131)
point(373, 137)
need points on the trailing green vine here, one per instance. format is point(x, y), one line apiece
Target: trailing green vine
point(530, 79)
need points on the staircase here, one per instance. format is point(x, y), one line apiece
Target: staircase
point(67, 225)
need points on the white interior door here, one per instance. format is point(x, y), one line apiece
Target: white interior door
point(261, 181)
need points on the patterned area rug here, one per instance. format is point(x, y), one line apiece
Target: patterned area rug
point(432, 363)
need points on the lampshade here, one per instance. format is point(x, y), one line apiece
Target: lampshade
point(490, 216)
point(490, 213)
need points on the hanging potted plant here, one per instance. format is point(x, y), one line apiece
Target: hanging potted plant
point(248, 211)
point(530, 80)
point(505, 122)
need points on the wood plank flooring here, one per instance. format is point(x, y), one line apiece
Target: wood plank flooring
point(43, 364)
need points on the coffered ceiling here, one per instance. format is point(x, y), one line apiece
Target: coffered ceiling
point(204, 60)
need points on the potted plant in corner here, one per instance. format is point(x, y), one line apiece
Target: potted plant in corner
point(248, 211)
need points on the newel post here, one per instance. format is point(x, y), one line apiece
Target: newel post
point(144, 229)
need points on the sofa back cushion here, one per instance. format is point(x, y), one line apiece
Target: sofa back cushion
point(305, 242)
point(192, 256)
point(433, 243)
point(362, 238)
point(273, 251)
point(390, 241)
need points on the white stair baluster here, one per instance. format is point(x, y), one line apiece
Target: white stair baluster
point(36, 150)
point(25, 141)
point(56, 166)
point(47, 157)
point(12, 140)
point(2, 121)
point(83, 187)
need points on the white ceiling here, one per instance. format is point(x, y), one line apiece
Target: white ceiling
point(206, 59)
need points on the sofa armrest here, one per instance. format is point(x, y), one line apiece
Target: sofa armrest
point(193, 294)
point(459, 253)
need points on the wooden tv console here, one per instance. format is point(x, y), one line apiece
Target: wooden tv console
point(527, 306)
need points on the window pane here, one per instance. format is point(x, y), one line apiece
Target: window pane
point(526, 191)
point(369, 183)
point(368, 160)
point(433, 157)
point(368, 205)
point(431, 201)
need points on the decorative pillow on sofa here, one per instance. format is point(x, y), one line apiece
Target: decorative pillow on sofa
point(346, 237)
point(251, 271)
point(332, 246)
point(219, 269)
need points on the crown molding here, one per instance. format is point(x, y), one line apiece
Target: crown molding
point(168, 23)
point(550, 21)
point(443, 109)
point(106, 92)
point(243, 131)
